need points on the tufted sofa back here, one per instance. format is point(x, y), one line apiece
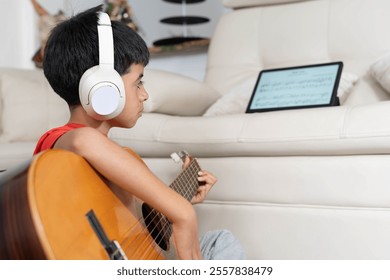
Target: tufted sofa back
point(248, 40)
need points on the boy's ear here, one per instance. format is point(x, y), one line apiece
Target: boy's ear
point(101, 89)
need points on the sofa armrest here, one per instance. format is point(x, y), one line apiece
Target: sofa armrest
point(174, 94)
point(344, 130)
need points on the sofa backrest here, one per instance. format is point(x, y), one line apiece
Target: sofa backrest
point(29, 106)
point(248, 40)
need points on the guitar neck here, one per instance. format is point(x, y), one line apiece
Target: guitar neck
point(186, 183)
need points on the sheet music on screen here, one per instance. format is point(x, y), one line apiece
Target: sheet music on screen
point(296, 87)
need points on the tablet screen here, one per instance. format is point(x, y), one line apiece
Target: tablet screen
point(296, 87)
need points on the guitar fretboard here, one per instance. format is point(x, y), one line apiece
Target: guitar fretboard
point(186, 183)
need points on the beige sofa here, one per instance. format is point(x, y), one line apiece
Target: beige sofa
point(296, 184)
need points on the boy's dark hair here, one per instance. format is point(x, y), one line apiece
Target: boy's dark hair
point(73, 47)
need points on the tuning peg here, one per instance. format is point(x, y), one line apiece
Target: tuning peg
point(179, 157)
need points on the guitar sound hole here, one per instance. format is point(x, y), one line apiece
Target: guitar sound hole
point(158, 226)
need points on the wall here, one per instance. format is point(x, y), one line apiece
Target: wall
point(19, 27)
point(18, 22)
point(18, 34)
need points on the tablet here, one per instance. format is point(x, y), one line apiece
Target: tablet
point(297, 87)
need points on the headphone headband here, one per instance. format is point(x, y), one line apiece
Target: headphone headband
point(106, 41)
point(101, 88)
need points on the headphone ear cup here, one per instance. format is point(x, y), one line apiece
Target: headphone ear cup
point(102, 92)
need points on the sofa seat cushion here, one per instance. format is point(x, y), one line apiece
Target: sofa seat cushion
point(360, 129)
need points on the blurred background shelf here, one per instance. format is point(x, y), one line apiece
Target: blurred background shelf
point(185, 41)
point(181, 1)
point(178, 45)
point(181, 20)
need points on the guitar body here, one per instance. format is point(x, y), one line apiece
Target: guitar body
point(43, 213)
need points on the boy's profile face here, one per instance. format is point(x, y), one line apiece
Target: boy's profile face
point(135, 97)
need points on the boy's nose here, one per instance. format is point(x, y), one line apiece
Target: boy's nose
point(145, 95)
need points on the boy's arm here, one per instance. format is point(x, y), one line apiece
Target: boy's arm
point(126, 171)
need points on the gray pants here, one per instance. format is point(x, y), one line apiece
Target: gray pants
point(221, 245)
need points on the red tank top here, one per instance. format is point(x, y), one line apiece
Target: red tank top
point(48, 139)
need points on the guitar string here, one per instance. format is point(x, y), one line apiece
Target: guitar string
point(164, 232)
point(166, 229)
point(137, 230)
point(146, 238)
point(189, 178)
point(163, 229)
point(145, 229)
point(179, 183)
point(182, 184)
point(194, 168)
point(143, 236)
point(152, 248)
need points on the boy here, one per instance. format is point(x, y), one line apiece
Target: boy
point(72, 52)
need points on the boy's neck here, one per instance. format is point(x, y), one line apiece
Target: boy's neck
point(79, 116)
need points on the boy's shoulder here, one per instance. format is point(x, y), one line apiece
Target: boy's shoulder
point(48, 139)
point(86, 141)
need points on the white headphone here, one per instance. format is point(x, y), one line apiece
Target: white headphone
point(101, 89)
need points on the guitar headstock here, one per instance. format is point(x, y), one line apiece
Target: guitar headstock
point(179, 157)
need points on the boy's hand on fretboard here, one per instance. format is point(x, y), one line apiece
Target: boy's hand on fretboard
point(207, 181)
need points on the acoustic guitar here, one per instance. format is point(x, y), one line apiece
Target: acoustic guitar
point(59, 207)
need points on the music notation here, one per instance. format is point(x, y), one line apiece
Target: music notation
point(295, 87)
